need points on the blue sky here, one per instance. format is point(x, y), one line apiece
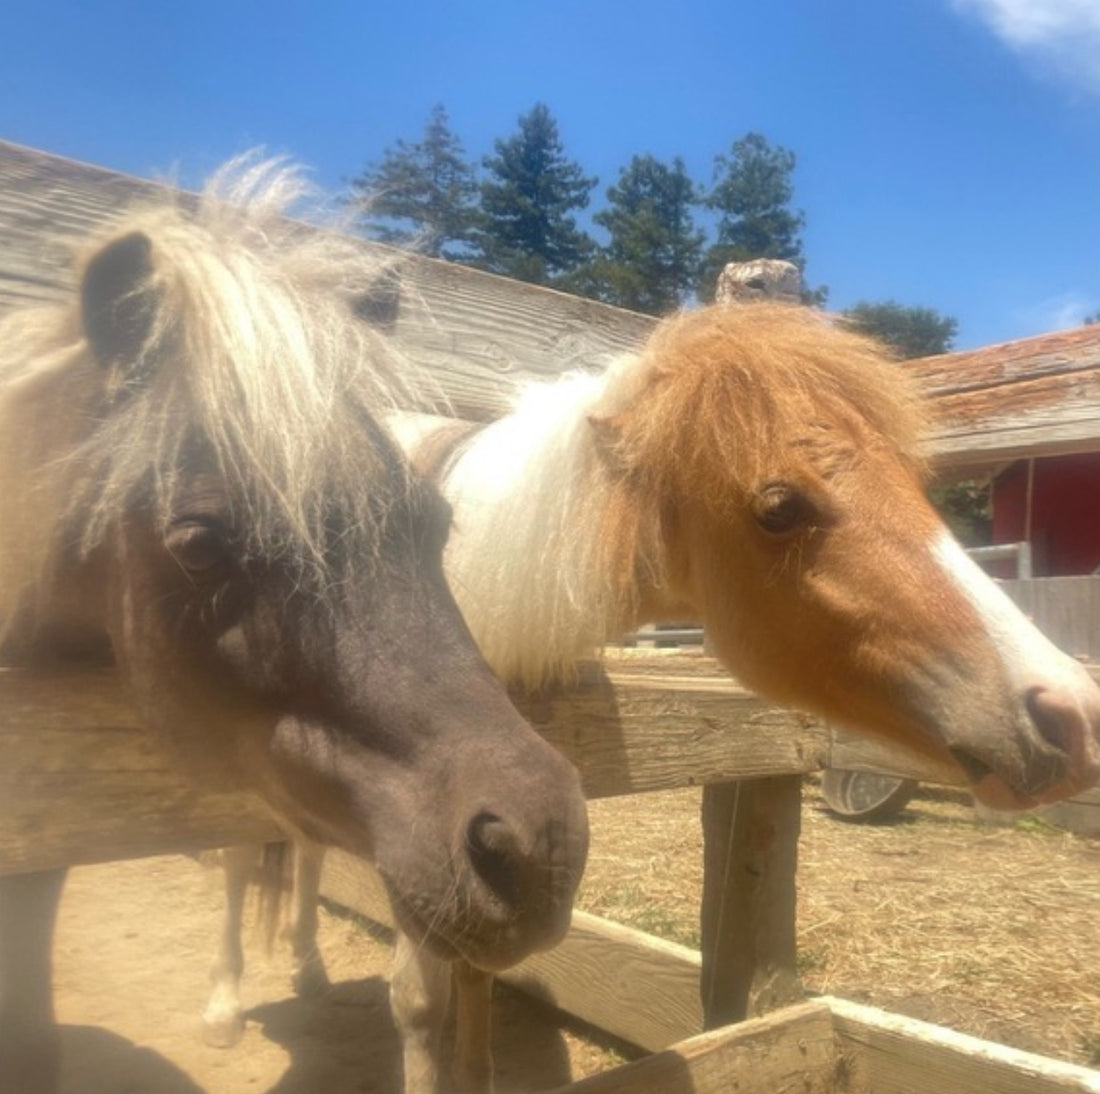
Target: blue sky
point(948, 150)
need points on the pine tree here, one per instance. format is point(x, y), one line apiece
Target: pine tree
point(752, 193)
point(651, 261)
point(422, 194)
point(525, 228)
point(910, 332)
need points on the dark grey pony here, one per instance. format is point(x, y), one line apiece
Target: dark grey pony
point(205, 496)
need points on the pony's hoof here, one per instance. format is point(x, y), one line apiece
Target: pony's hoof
point(223, 1031)
point(310, 979)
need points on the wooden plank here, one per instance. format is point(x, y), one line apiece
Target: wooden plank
point(890, 1054)
point(990, 368)
point(481, 334)
point(640, 988)
point(1034, 396)
point(1080, 814)
point(630, 731)
point(790, 1052)
point(1065, 609)
point(637, 987)
point(1050, 416)
point(749, 909)
point(82, 781)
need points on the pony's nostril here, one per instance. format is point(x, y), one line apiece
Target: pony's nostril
point(1057, 718)
point(495, 854)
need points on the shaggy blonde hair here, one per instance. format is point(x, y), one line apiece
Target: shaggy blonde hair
point(253, 347)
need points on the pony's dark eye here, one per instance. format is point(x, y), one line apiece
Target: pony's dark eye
point(196, 546)
point(781, 508)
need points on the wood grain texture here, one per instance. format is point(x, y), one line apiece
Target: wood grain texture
point(635, 986)
point(82, 781)
point(479, 333)
point(1065, 609)
point(749, 905)
point(888, 1054)
point(640, 988)
point(483, 334)
point(790, 1052)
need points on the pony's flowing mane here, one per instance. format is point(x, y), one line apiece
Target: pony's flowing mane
point(524, 562)
point(254, 348)
point(563, 498)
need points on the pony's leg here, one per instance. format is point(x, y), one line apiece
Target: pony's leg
point(309, 976)
point(30, 1050)
point(223, 1019)
point(472, 1070)
point(419, 995)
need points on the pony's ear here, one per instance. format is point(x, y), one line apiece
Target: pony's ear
point(607, 430)
point(117, 300)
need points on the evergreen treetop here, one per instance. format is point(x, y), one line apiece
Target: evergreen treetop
point(422, 194)
point(526, 229)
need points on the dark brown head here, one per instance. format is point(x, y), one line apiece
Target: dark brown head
point(269, 572)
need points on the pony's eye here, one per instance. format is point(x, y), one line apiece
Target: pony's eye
point(196, 546)
point(781, 508)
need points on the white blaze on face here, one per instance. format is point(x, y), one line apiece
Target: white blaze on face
point(1057, 699)
point(1030, 659)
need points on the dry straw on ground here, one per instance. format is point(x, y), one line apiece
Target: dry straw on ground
point(991, 931)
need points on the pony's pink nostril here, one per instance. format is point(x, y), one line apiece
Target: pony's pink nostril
point(1059, 720)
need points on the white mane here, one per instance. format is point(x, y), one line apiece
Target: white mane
point(527, 559)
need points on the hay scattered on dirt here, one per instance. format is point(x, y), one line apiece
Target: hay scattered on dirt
point(991, 931)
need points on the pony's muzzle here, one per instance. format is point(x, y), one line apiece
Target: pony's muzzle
point(1057, 753)
point(523, 878)
point(1071, 726)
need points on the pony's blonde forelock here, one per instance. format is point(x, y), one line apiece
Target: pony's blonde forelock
point(254, 346)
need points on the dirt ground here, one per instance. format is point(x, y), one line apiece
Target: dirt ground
point(992, 931)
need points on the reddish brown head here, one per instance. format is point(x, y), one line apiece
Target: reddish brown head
point(776, 458)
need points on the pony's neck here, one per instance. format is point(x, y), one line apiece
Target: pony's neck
point(545, 557)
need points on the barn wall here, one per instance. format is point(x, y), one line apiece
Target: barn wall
point(1065, 522)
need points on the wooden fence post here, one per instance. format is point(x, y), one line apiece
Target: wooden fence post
point(750, 852)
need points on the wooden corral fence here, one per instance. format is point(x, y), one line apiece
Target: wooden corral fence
point(81, 782)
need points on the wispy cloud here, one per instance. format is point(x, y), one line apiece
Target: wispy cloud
point(1058, 312)
point(1061, 36)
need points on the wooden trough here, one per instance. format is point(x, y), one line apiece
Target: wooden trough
point(831, 1046)
point(82, 782)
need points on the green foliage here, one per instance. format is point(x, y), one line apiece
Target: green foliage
point(650, 263)
point(910, 332)
point(967, 509)
point(751, 194)
point(421, 194)
point(525, 229)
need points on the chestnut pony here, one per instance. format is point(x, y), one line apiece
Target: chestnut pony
point(194, 483)
point(756, 468)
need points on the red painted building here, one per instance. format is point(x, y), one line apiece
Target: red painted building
point(1065, 512)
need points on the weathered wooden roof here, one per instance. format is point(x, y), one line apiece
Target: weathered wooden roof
point(482, 334)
